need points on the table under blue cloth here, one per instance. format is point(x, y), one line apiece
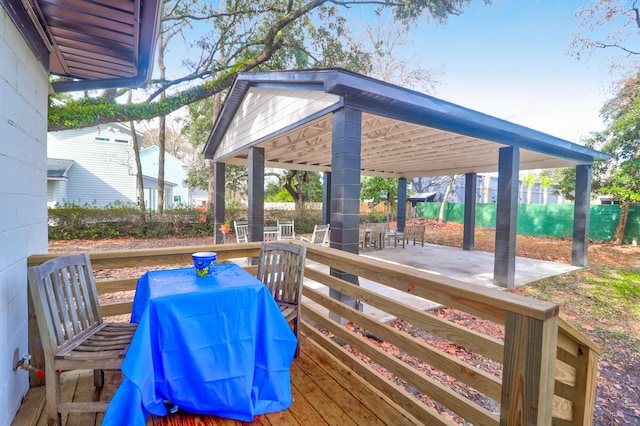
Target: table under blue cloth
point(214, 345)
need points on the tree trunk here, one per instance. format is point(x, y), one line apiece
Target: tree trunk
point(161, 129)
point(161, 148)
point(139, 177)
point(136, 155)
point(487, 188)
point(211, 196)
point(444, 199)
point(622, 222)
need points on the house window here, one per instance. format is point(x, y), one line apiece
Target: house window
point(121, 140)
point(101, 139)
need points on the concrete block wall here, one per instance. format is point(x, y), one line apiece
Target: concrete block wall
point(23, 197)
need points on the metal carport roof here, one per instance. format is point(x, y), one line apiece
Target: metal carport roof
point(404, 133)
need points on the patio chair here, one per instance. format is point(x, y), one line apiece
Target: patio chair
point(320, 235)
point(242, 231)
point(287, 230)
point(377, 235)
point(72, 331)
point(281, 269)
point(271, 233)
point(411, 232)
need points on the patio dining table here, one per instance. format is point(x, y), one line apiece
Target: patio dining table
point(210, 345)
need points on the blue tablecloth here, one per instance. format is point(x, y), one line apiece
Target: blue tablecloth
point(216, 345)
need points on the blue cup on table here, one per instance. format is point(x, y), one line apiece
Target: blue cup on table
point(204, 262)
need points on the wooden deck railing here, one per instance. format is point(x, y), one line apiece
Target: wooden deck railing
point(549, 368)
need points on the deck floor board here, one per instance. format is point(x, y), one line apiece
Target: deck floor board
point(323, 393)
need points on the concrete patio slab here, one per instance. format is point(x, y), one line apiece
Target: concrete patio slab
point(474, 267)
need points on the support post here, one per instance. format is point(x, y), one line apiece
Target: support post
point(256, 194)
point(345, 191)
point(326, 198)
point(581, 209)
point(218, 200)
point(506, 217)
point(470, 188)
point(402, 204)
point(528, 376)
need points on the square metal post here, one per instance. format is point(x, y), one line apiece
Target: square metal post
point(581, 210)
point(256, 194)
point(470, 188)
point(218, 200)
point(504, 266)
point(345, 191)
point(402, 204)
point(326, 198)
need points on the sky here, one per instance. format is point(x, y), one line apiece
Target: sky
point(511, 60)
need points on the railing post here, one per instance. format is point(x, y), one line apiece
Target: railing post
point(585, 388)
point(529, 366)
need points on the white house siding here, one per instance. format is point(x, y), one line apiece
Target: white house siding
point(23, 200)
point(103, 171)
point(56, 192)
point(175, 172)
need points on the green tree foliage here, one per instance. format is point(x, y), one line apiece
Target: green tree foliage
point(303, 186)
point(241, 36)
point(277, 194)
point(620, 175)
point(378, 189)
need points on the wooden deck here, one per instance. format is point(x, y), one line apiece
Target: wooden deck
point(324, 392)
point(549, 368)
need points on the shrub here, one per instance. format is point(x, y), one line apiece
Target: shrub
point(71, 221)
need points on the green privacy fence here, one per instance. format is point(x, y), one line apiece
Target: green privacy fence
point(547, 220)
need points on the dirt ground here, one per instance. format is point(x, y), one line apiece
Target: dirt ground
point(617, 332)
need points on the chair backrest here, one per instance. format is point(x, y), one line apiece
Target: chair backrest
point(377, 233)
point(320, 234)
point(65, 300)
point(281, 269)
point(379, 227)
point(242, 231)
point(287, 231)
point(414, 231)
point(271, 233)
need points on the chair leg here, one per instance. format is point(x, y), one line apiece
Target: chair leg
point(98, 378)
point(52, 397)
point(295, 332)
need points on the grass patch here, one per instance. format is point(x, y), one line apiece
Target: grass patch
point(616, 292)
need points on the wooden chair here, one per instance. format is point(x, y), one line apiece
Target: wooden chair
point(281, 269)
point(320, 235)
point(72, 331)
point(241, 230)
point(287, 230)
point(377, 235)
point(271, 233)
point(412, 232)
